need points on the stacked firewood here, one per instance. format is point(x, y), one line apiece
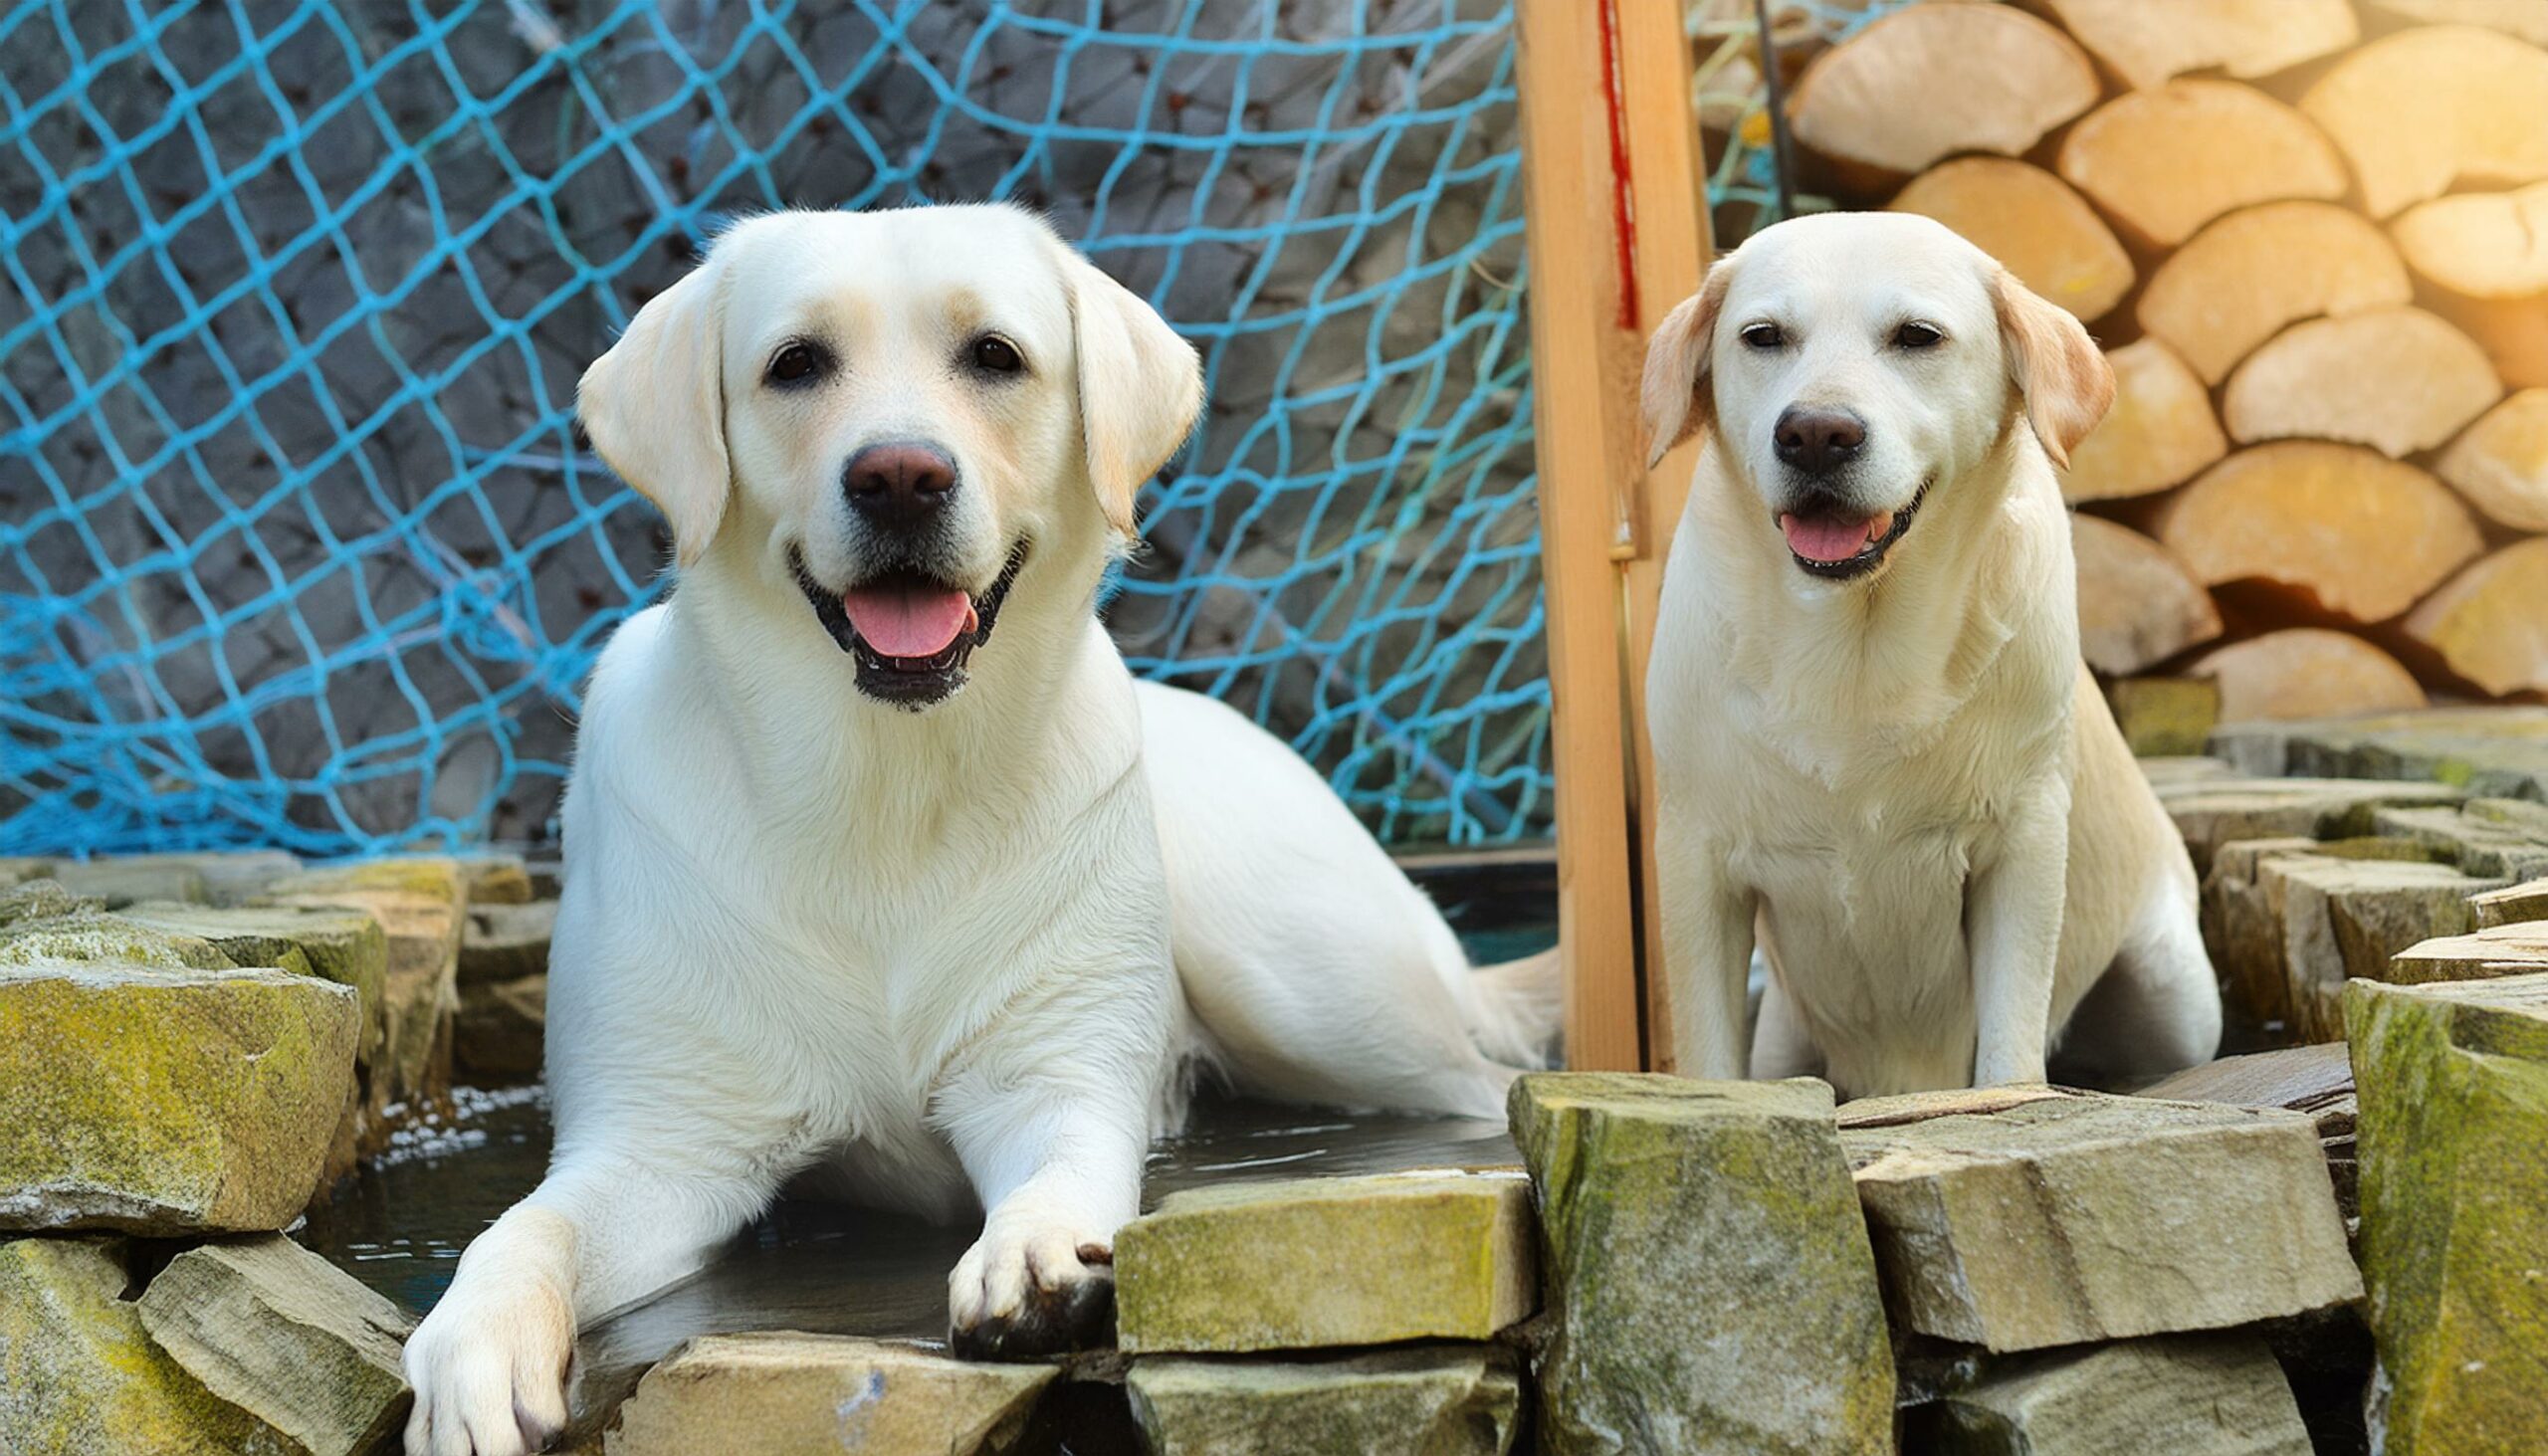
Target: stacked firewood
point(2313, 236)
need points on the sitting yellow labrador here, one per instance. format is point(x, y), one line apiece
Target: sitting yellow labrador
point(1876, 744)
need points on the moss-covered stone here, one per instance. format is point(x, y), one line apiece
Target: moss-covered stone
point(788, 1393)
point(342, 946)
point(496, 878)
point(419, 904)
point(2184, 1395)
point(286, 1335)
point(501, 1034)
point(506, 942)
point(2037, 1220)
point(2513, 905)
point(1319, 1262)
point(2454, 1130)
point(1426, 1401)
point(2165, 716)
point(1708, 1278)
point(167, 1101)
point(78, 1376)
point(110, 939)
point(42, 899)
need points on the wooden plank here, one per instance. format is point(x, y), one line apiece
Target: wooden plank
point(1595, 294)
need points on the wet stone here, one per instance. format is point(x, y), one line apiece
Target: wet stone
point(1425, 1400)
point(1308, 1263)
point(2021, 1219)
point(2455, 1211)
point(288, 1337)
point(166, 1101)
point(1708, 1278)
point(501, 1033)
point(825, 1393)
point(2185, 1395)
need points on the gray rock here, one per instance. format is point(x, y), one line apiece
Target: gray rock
point(2181, 1395)
point(2019, 1219)
point(2213, 812)
point(789, 1394)
point(287, 1337)
point(2513, 905)
point(506, 942)
point(1396, 1256)
point(1425, 1400)
point(1709, 1282)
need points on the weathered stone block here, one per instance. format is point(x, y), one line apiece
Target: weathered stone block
point(1709, 1281)
point(342, 946)
point(2454, 1131)
point(109, 939)
point(2316, 1081)
point(796, 1393)
point(2346, 918)
point(2017, 1222)
point(78, 1376)
point(419, 904)
point(287, 1337)
point(2184, 1394)
point(2496, 950)
point(42, 899)
point(1316, 1261)
point(502, 1032)
point(502, 943)
point(2176, 770)
point(1427, 1400)
point(167, 1102)
point(2494, 839)
point(2165, 716)
point(219, 877)
point(2513, 905)
point(2213, 812)
point(496, 878)
point(2496, 751)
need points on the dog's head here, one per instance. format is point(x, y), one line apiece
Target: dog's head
point(1851, 363)
point(893, 413)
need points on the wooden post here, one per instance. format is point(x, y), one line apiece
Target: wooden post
point(1617, 238)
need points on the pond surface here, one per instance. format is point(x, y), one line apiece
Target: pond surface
point(400, 1223)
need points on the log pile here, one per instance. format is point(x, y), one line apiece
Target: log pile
point(2313, 236)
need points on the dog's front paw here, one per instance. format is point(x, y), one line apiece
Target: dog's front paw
point(1030, 1293)
point(488, 1366)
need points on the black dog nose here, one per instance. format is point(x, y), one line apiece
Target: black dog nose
point(900, 484)
point(1818, 441)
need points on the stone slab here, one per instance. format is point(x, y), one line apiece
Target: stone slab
point(419, 903)
point(2453, 1139)
point(1423, 1400)
point(2181, 1395)
point(2520, 949)
point(342, 946)
point(2213, 812)
point(167, 1101)
point(287, 1337)
point(2496, 751)
point(1709, 1282)
point(794, 1394)
point(2024, 1222)
point(500, 1037)
point(506, 942)
point(2492, 839)
point(2513, 904)
point(1304, 1264)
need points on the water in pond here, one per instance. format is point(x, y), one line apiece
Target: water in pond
point(399, 1225)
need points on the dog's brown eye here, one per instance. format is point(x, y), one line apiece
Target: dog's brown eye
point(1763, 335)
point(994, 354)
point(1918, 336)
point(797, 363)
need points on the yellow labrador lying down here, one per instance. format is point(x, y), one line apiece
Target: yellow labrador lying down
point(1874, 738)
point(878, 863)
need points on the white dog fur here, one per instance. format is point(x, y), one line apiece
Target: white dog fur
point(951, 958)
point(1904, 780)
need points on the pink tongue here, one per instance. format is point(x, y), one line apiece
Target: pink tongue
point(1826, 539)
point(901, 621)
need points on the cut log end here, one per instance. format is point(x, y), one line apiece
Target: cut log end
point(2148, 40)
point(2165, 162)
point(2362, 534)
point(2137, 605)
point(2421, 110)
point(2256, 272)
point(2033, 223)
point(2307, 672)
point(1931, 80)
point(2160, 432)
point(2500, 463)
point(2397, 379)
point(2527, 19)
point(2490, 622)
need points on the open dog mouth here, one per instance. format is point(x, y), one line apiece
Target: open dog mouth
point(1837, 544)
point(910, 634)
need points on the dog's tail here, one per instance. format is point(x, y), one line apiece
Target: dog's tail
point(1513, 1010)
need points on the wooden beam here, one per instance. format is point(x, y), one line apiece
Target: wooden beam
point(1615, 238)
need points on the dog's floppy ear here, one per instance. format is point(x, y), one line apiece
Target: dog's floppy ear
point(1678, 402)
point(2067, 382)
point(1140, 387)
point(654, 406)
